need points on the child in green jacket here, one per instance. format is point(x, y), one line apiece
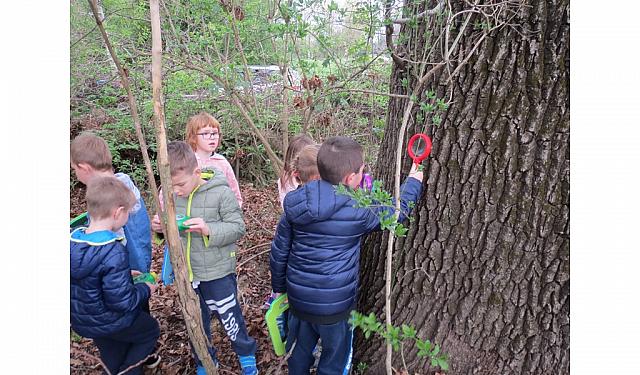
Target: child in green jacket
point(215, 225)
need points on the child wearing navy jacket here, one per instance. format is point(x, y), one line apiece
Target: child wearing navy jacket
point(315, 256)
point(105, 303)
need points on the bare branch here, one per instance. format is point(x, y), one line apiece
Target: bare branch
point(420, 16)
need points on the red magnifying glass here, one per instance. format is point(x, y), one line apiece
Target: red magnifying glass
point(419, 147)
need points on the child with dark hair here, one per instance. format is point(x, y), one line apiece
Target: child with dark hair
point(315, 256)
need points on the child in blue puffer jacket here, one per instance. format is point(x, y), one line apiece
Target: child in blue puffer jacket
point(315, 256)
point(105, 303)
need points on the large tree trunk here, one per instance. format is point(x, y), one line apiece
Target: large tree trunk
point(484, 269)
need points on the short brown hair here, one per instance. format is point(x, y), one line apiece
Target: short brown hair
point(306, 163)
point(88, 148)
point(295, 146)
point(182, 159)
point(104, 194)
point(197, 122)
point(338, 157)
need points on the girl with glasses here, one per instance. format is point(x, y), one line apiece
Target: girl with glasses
point(203, 135)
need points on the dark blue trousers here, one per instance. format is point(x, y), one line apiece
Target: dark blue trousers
point(220, 298)
point(130, 345)
point(336, 346)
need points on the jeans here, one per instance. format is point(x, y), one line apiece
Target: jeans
point(336, 354)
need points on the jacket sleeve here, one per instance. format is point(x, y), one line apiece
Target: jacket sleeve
point(230, 228)
point(118, 292)
point(280, 248)
point(232, 181)
point(409, 193)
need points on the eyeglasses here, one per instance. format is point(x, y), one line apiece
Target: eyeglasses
point(209, 135)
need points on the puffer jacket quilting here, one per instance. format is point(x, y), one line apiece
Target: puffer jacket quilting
point(216, 203)
point(104, 299)
point(315, 254)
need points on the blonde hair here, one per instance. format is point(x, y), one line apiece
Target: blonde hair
point(105, 194)
point(88, 148)
point(295, 146)
point(197, 122)
point(306, 164)
point(182, 159)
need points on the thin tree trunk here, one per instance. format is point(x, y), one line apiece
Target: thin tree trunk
point(189, 303)
point(132, 104)
point(484, 269)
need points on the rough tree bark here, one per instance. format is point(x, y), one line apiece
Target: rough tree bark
point(484, 269)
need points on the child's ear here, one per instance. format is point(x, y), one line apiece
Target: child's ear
point(118, 211)
point(84, 167)
point(347, 179)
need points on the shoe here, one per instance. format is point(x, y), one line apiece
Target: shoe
point(153, 361)
point(200, 370)
point(248, 364)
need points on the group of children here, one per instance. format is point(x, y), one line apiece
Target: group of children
point(314, 254)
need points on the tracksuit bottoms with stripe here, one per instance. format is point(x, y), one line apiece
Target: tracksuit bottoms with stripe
point(220, 298)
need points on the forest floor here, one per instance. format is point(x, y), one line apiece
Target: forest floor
point(261, 214)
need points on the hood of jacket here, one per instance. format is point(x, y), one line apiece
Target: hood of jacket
point(314, 202)
point(85, 256)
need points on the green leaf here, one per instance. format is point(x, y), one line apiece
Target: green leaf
point(437, 120)
point(408, 332)
point(400, 230)
point(443, 364)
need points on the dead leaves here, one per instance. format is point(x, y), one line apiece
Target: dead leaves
point(262, 212)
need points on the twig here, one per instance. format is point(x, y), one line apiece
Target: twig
point(401, 96)
point(135, 365)
point(419, 16)
point(95, 359)
point(253, 256)
point(253, 247)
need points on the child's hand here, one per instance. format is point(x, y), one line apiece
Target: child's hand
point(135, 273)
point(276, 295)
point(197, 225)
point(152, 287)
point(156, 225)
point(415, 172)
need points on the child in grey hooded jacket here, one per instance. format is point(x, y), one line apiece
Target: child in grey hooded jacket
point(214, 225)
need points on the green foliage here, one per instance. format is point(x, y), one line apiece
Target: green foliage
point(75, 337)
point(396, 336)
point(361, 367)
point(379, 200)
point(204, 31)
